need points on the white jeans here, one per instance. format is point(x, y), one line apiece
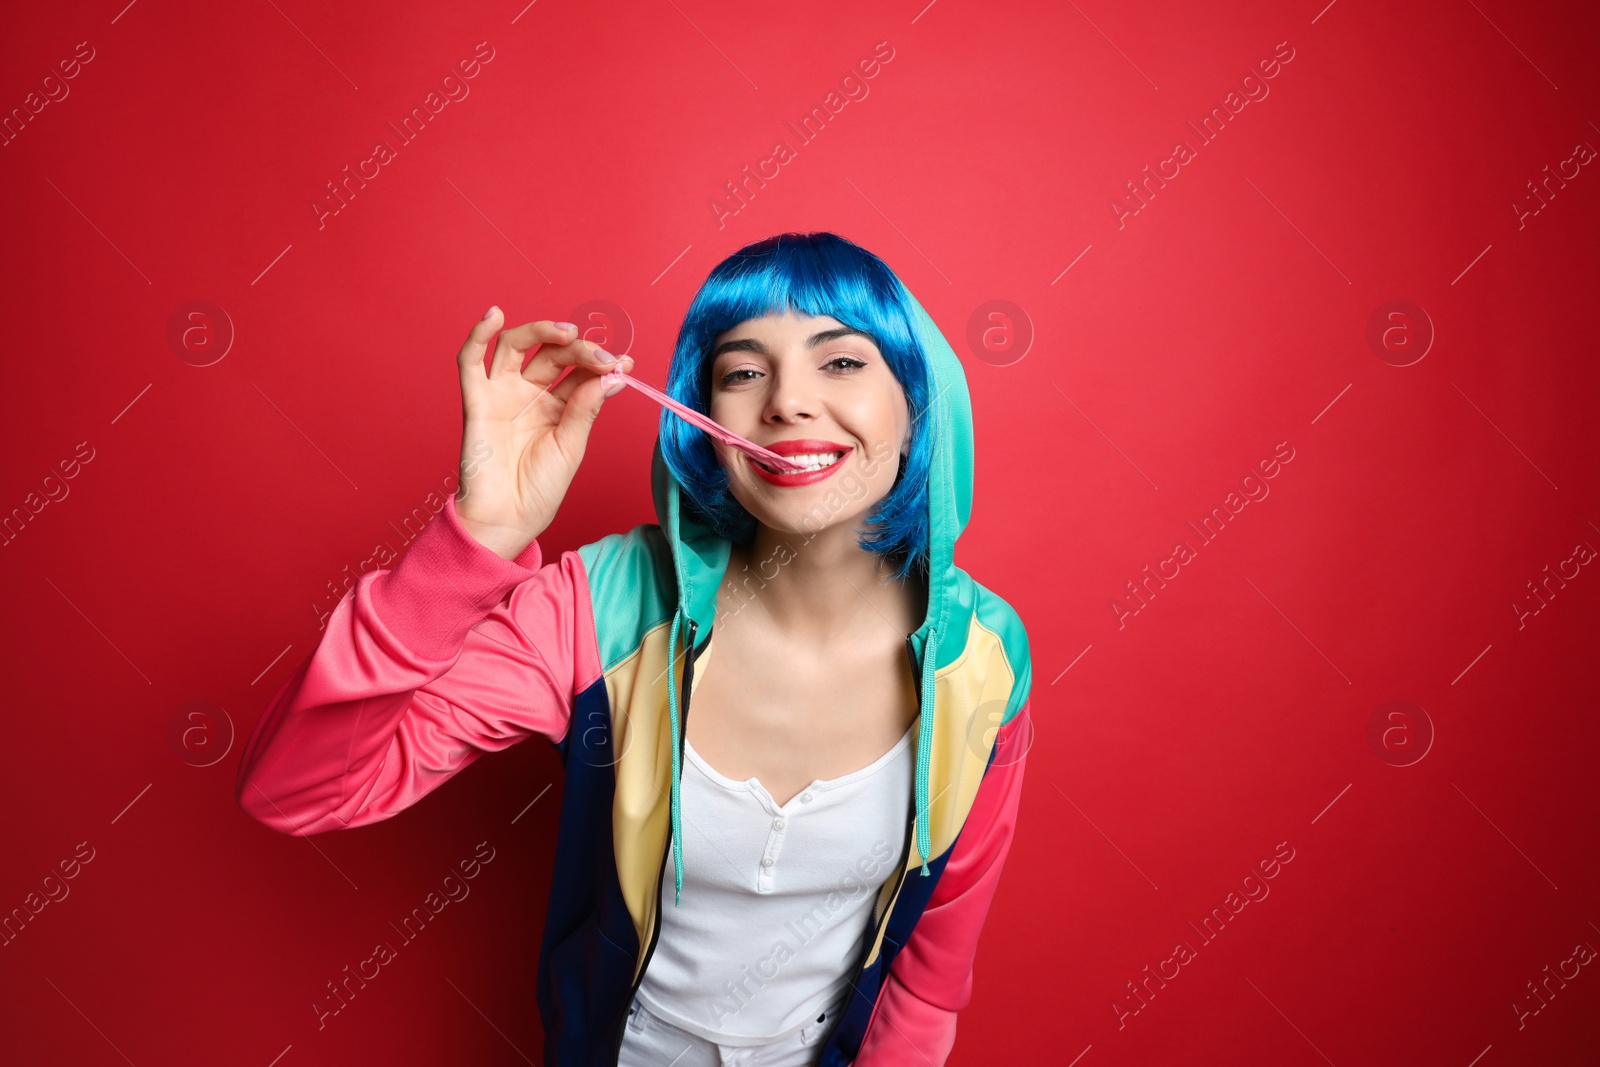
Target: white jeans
point(651, 1041)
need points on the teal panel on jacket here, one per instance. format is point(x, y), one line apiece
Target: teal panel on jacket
point(630, 581)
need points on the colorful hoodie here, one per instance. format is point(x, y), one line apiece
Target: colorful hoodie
point(456, 652)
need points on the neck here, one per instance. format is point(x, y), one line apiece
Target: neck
point(824, 588)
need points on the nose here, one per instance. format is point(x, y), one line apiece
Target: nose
point(788, 399)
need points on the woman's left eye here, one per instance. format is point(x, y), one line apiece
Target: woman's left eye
point(850, 361)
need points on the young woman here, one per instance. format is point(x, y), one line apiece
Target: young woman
point(798, 874)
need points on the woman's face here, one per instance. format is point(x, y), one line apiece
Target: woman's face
point(808, 386)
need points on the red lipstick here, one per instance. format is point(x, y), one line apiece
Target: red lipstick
point(803, 446)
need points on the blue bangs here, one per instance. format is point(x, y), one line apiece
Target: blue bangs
point(810, 274)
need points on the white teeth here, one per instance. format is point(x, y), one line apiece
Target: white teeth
point(813, 461)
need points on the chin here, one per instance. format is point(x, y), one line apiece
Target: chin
point(822, 513)
point(844, 500)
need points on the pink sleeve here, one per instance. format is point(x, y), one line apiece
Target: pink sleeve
point(930, 980)
point(422, 669)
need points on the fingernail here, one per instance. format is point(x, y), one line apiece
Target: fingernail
point(601, 357)
point(492, 309)
point(615, 389)
point(565, 326)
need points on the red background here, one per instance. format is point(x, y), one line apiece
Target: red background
point(1174, 750)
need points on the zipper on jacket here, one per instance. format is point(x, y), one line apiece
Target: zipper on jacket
point(905, 852)
point(655, 931)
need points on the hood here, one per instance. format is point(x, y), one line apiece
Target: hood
point(700, 559)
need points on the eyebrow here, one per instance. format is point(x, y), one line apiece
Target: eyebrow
point(752, 344)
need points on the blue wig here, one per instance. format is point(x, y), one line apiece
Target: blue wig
point(811, 274)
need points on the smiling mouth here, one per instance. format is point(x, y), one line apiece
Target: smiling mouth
point(808, 464)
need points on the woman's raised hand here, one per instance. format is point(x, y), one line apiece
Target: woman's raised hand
point(524, 435)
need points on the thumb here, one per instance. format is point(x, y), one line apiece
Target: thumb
point(583, 408)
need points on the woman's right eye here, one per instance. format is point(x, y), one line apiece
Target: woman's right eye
point(732, 377)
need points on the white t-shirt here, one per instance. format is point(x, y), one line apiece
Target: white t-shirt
point(775, 899)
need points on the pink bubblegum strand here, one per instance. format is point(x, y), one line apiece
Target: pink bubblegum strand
point(715, 429)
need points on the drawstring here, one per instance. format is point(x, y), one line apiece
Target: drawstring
point(672, 687)
point(925, 745)
point(672, 703)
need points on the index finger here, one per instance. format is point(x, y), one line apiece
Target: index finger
point(475, 350)
point(551, 360)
